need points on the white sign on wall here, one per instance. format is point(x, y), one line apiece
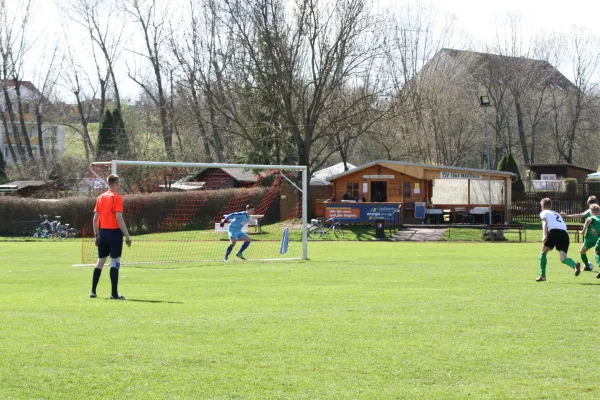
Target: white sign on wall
point(459, 175)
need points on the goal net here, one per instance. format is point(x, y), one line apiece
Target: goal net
point(173, 210)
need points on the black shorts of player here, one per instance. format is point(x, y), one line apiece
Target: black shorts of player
point(110, 243)
point(559, 239)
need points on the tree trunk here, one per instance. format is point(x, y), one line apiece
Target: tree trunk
point(216, 136)
point(89, 146)
point(15, 129)
point(521, 126)
point(533, 133)
point(199, 123)
point(164, 118)
point(173, 125)
point(164, 123)
point(573, 130)
point(39, 119)
point(103, 89)
point(22, 122)
point(8, 142)
point(116, 88)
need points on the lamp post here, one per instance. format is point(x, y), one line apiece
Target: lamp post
point(485, 102)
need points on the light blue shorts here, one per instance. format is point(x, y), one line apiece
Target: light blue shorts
point(236, 235)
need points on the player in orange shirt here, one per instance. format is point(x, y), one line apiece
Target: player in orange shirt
point(109, 229)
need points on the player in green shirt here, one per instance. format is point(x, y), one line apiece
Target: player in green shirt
point(591, 235)
point(593, 223)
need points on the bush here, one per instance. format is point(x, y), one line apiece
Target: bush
point(508, 164)
point(571, 185)
point(593, 189)
point(144, 213)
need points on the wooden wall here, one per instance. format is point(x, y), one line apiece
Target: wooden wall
point(318, 196)
point(395, 186)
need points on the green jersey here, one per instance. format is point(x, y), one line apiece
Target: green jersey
point(591, 239)
point(595, 225)
point(587, 214)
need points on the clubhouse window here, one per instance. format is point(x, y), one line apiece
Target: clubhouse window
point(352, 188)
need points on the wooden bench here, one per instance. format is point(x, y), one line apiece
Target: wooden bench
point(575, 229)
point(506, 228)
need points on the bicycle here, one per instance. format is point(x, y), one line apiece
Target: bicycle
point(316, 228)
point(54, 229)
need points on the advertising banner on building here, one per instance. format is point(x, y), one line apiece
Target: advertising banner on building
point(354, 213)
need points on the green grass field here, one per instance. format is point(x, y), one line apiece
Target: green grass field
point(357, 321)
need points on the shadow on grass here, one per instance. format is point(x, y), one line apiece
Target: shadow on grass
point(155, 301)
point(156, 267)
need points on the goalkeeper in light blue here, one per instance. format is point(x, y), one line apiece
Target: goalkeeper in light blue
point(236, 223)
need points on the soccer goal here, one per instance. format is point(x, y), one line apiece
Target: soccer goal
point(173, 210)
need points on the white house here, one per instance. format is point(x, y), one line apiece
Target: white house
point(53, 135)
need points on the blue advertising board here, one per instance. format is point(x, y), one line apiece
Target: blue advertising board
point(356, 213)
point(419, 210)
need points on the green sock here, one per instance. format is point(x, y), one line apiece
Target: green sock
point(543, 262)
point(585, 259)
point(598, 259)
point(570, 263)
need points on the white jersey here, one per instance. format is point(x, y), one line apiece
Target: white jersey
point(554, 220)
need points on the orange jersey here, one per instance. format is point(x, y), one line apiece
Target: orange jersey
point(108, 204)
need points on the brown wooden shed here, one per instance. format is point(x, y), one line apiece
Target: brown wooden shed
point(561, 171)
point(440, 187)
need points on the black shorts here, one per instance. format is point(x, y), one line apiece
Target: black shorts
point(110, 243)
point(559, 239)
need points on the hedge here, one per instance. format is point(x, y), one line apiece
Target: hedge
point(156, 212)
point(571, 185)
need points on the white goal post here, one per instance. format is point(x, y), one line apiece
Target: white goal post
point(265, 180)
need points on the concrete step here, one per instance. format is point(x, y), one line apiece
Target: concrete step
point(418, 235)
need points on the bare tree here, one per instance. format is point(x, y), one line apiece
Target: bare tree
point(201, 66)
point(152, 23)
point(577, 101)
point(12, 48)
point(301, 61)
point(105, 25)
point(78, 82)
point(46, 73)
point(426, 75)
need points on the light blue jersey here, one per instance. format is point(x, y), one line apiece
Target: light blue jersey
point(237, 221)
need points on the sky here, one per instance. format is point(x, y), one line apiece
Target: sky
point(478, 20)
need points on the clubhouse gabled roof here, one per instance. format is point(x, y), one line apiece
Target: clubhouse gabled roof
point(397, 165)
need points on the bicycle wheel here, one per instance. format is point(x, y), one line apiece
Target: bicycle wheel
point(338, 231)
point(62, 233)
point(315, 232)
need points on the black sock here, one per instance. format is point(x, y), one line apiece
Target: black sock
point(96, 279)
point(114, 281)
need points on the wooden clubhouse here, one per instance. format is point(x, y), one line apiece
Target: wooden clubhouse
point(418, 193)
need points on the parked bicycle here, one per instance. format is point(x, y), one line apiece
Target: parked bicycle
point(53, 229)
point(316, 229)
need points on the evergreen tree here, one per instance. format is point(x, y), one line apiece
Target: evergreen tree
point(3, 177)
point(107, 140)
point(120, 134)
point(508, 164)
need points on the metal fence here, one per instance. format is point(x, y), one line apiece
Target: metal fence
point(527, 207)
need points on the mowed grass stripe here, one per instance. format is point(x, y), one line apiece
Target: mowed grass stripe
point(359, 320)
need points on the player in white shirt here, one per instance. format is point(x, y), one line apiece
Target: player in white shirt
point(555, 235)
